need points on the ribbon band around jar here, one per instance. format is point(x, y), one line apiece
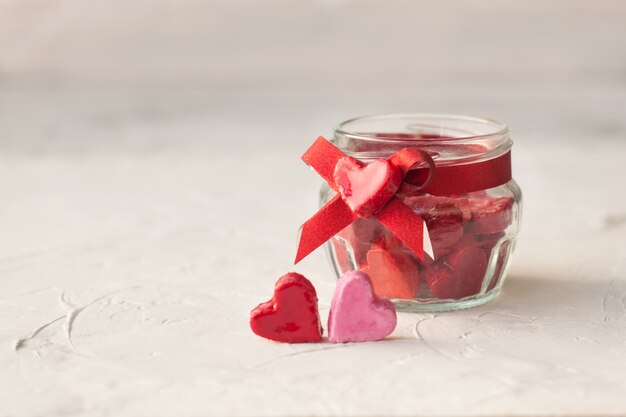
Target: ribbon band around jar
point(463, 178)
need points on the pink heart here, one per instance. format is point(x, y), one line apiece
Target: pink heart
point(356, 313)
point(366, 188)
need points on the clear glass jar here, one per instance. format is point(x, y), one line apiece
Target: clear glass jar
point(472, 234)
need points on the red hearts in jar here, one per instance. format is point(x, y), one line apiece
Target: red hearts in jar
point(360, 236)
point(459, 274)
point(393, 275)
point(445, 226)
point(444, 217)
point(291, 315)
point(491, 215)
point(422, 204)
point(488, 242)
point(464, 231)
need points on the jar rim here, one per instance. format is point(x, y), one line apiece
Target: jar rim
point(499, 129)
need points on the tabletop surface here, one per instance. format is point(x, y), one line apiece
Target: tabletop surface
point(139, 226)
point(128, 274)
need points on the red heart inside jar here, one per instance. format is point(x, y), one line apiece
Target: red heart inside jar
point(472, 233)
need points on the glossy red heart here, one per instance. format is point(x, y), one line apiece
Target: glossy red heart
point(291, 315)
point(491, 215)
point(459, 274)
point(393, 275)
point(422, 204)
point(366, 188)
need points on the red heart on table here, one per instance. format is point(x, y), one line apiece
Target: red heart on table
point(291, 315)
point(366, 188)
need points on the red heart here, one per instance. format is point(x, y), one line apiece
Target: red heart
point(366, 188)
point(291, 315)
point(393, 275)
point(460, 274)
point(491, 215)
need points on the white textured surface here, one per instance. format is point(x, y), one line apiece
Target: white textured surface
point(127, 278)
point(130, 150)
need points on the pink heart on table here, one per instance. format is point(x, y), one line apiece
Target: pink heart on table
point(366, 188)
point(356, 313)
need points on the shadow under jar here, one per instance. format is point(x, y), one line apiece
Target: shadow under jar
point(472, 234)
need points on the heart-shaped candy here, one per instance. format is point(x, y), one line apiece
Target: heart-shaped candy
point(393, 275)
point(356, 313)
point(491, 215)
point(291, 315)
point(459, 274)
point(366, 188)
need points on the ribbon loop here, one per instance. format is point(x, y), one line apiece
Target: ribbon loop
point(412, 158)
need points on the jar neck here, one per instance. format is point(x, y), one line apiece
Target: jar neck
point(449, 139)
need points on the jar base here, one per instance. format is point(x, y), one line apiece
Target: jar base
point(418, 306)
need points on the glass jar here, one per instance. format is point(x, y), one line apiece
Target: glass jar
point(472, 234)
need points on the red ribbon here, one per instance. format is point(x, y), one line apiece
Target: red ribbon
point(398, 218)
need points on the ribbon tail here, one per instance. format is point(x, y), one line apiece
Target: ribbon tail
point(408, 226)
point(322, 156)
point(326, 223)
point(428, 244)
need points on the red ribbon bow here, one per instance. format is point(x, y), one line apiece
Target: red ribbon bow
point(365, 190)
